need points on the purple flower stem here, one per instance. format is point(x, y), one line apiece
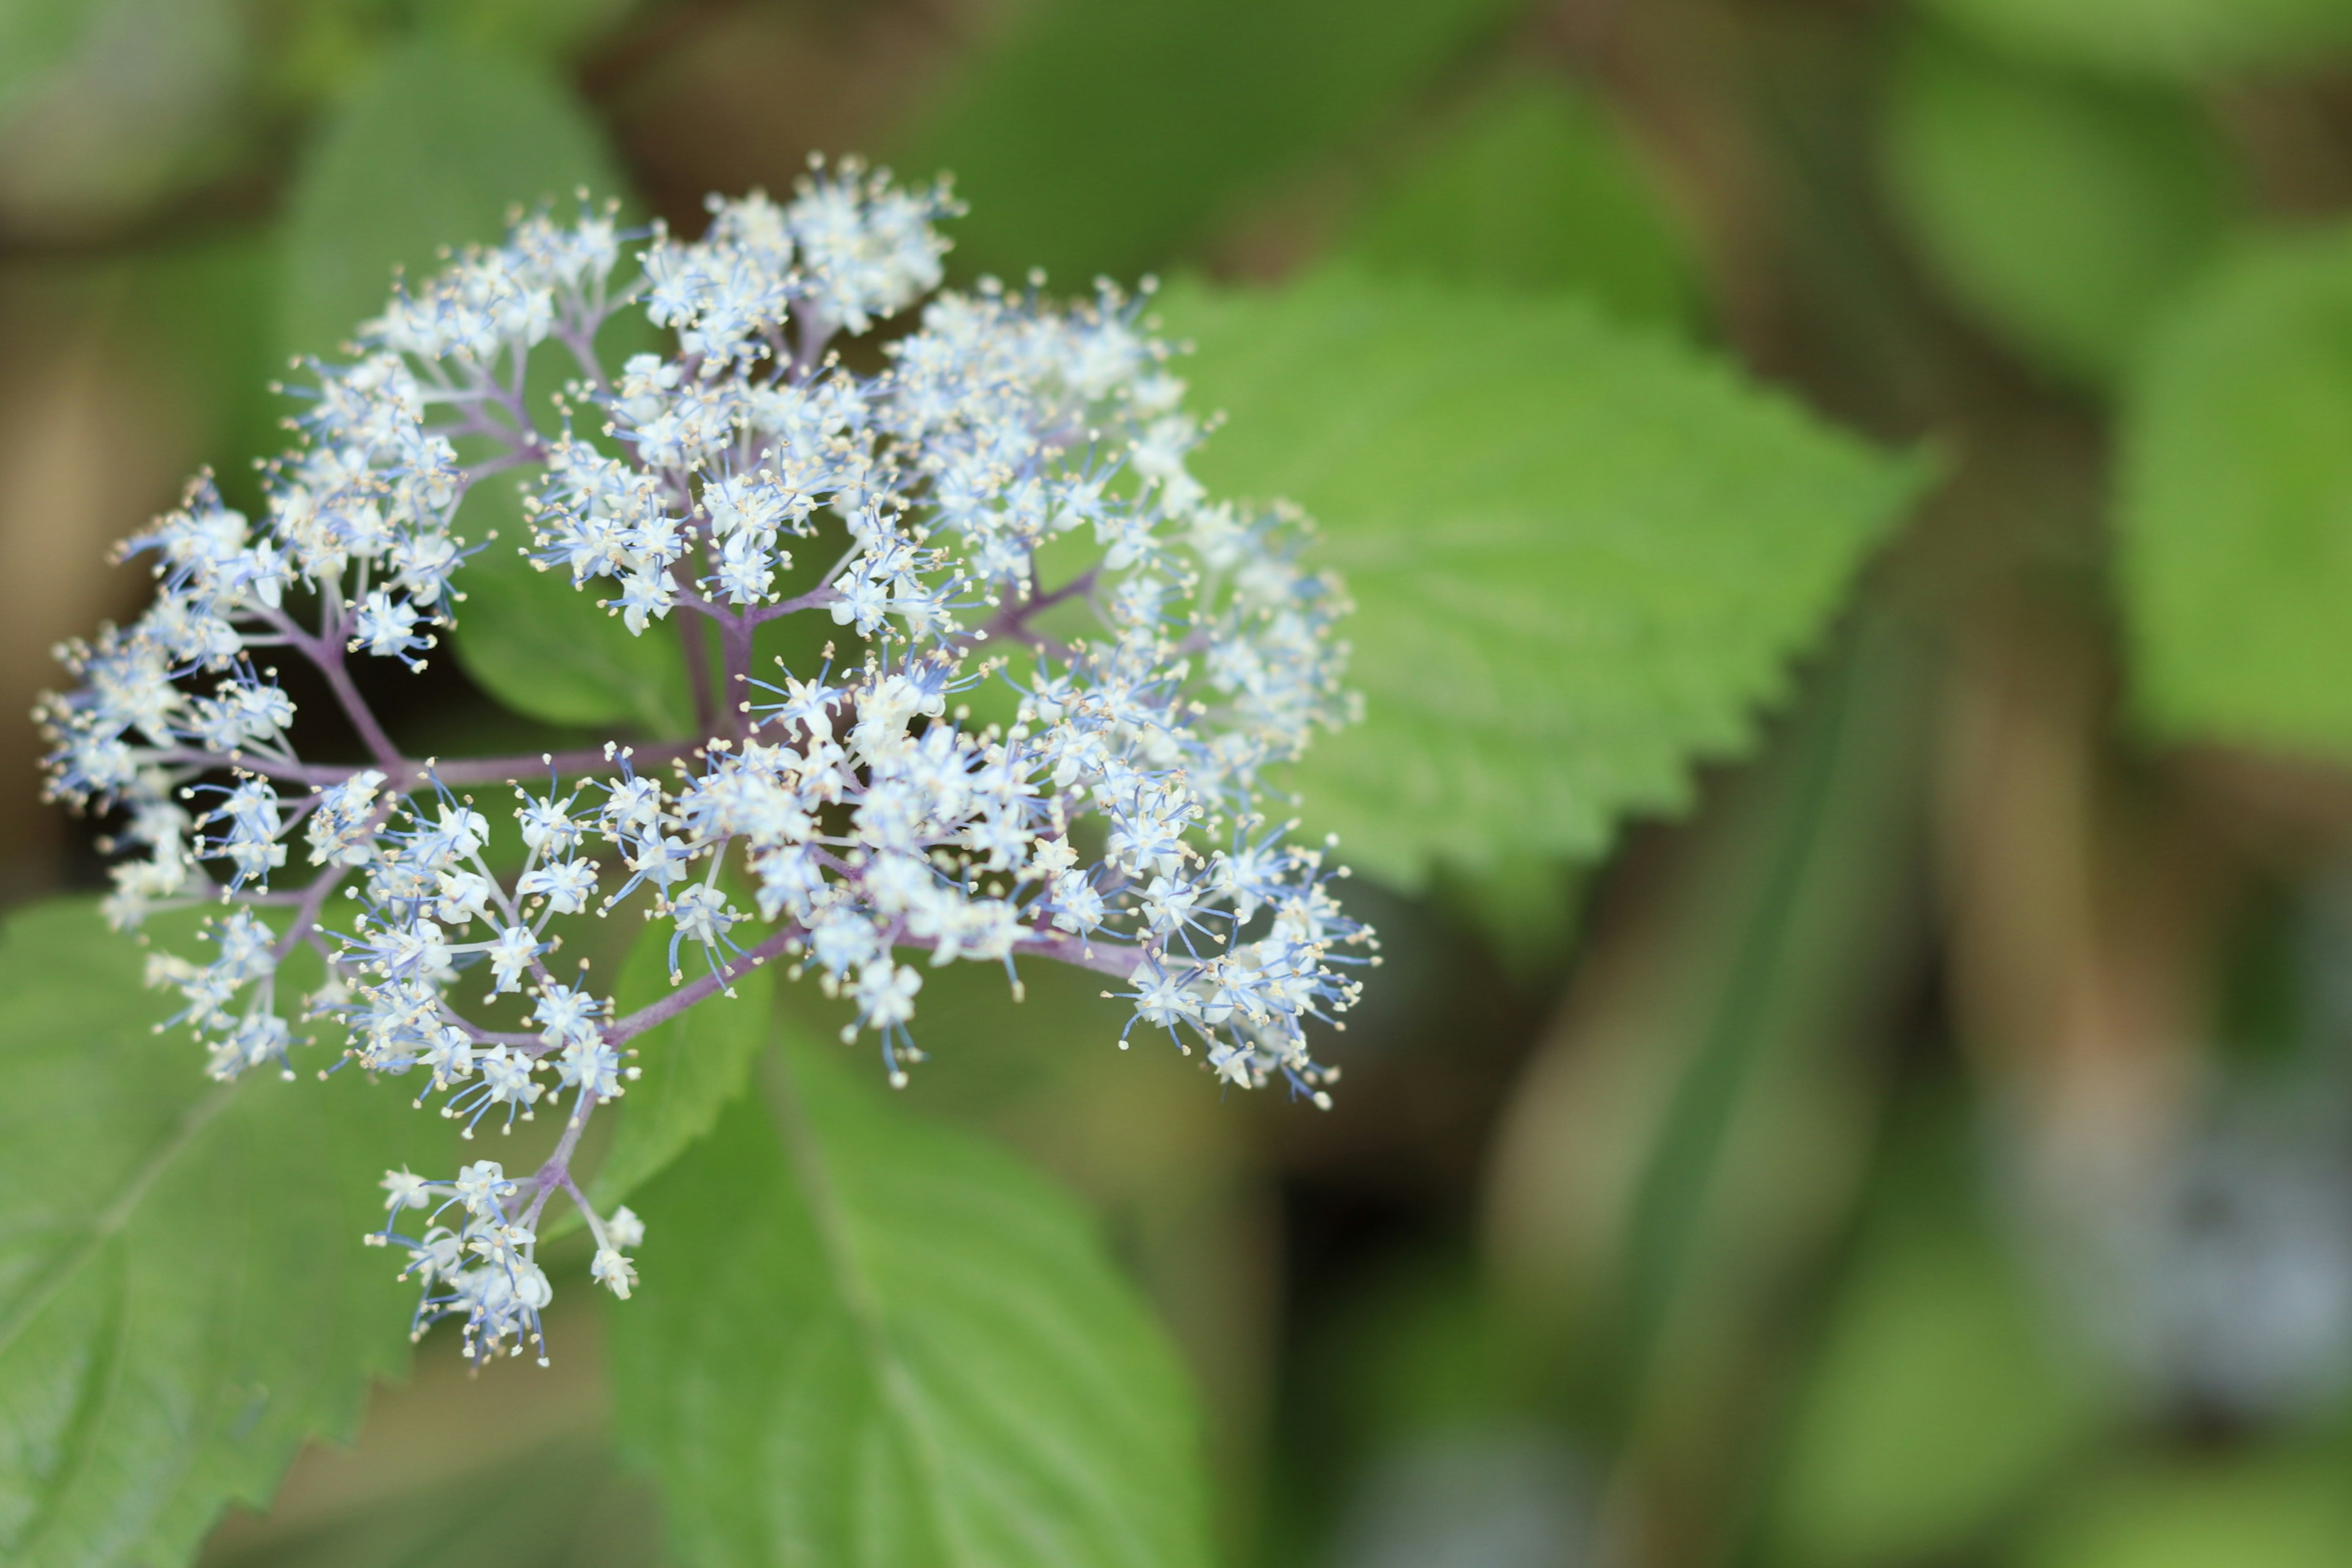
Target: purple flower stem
point(292, 772)
point(735, 645)
point(816, 598)
point(580, 342)
point(306, 913)
point(325, 652)
point(658, 1013)
point(695, 643)
point(502, 770)
point(330, 660)
point(557, 1171)
point(1115, 959)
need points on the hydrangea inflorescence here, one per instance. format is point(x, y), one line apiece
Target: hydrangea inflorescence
point(830, 817)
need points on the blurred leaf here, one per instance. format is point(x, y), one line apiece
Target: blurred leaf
point(1418, 1349)
point(144, 105)
point(184, 1297)
point(2063, 212)
point(553, 27)
point(1681, 1151)
point(36, 37)
point(564, 1504)
point(861, 1340)
point(2276, 1509)
point(2180, 38)
point(321, 51)
point(1534, 190)
point(986, 1056)
point(543, 646)
point(1580, 557)
point(1940, 1399)
point(1143, 1136)
point(1415, 1438)
point(211, 306)
point(434, 151)
point(2235, 511)
point(1099, 134)
point(693, 1065)
point(1526, 906)
point(317, 53)
point(1510, 1495)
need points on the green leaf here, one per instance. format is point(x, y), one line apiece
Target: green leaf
point(693, 1065)
point(118, 113)
point(544, 648)
point(1580, 557)
point(548, 27)
point(434, 151)
point(211, 306)
point(1692, 1135)
point(1525, 907)
point(1534, 190)
point(864, 1340)
point(2063, 211)
point(35, 37)
point(1094, 137)
point(1940, 1399)
point(183, 1296)
point(2281, 1509)
point(565, 1502)
point(2178, 38)
point(2235, 511)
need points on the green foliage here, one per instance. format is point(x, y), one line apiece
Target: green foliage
point(1780, 955)
point(693, 1065)
point(184, 1297)
point(435, 150)
point(2235, 513)
point(38, 35)
point(1094, 138)
point(524, 26)
point(1419, 1350)
point(212, 306)
point(1690, 1140)
point(2063, 211)
point(544, 648)
point(564, 1504)
point(1941, 1398)
point(1534, 189)
point(115, 109)
point(896, 1347)
point(1580, 556)
point(2178, 38)
point(2281, 1509)
point(1531, 189)
point(322, 48)
point(1525, 907)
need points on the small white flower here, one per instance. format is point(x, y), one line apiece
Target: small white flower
point(481, 1185)
point(407, 1191)
point(612, 1271)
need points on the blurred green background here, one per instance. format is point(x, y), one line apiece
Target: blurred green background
point(1933, 1146)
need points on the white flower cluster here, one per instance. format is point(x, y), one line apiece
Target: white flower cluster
point(480, 1268)
point(1004, 503)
